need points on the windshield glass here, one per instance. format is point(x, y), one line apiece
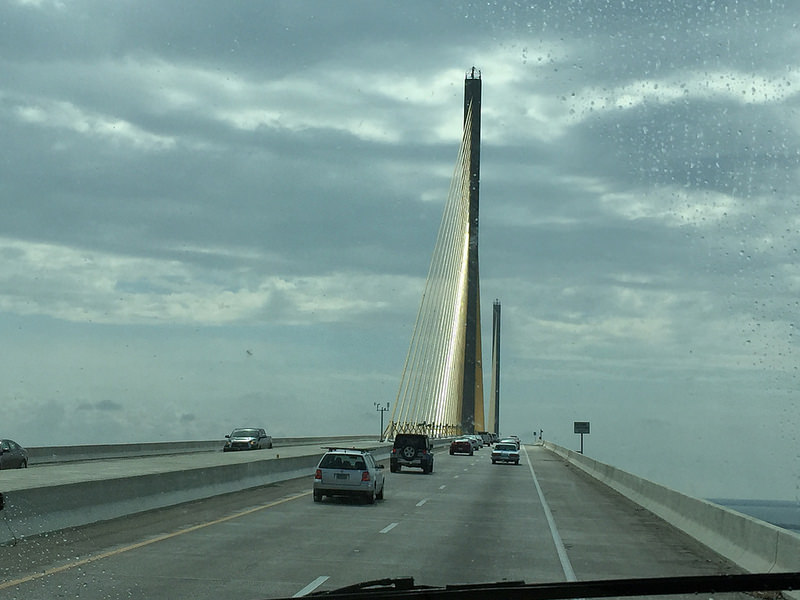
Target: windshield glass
point(230, 212)
point(245, 433)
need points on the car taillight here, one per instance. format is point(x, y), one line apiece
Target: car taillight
point(394, 450)
point(318, 474)
point(365, 476)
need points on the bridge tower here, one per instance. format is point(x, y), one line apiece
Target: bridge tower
point(493, 424)
point(441, 389)
point(472, 418)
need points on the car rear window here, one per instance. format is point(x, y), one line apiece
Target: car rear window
point(415, 441)
point(353, 462)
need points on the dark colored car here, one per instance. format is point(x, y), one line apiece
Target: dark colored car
point(411, 450)
point(486, 437)
point(461, 446)
point(12, 455)
point(247, 438)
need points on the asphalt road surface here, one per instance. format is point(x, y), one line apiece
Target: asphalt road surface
point(468, 522)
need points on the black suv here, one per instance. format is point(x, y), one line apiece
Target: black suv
point(411, 450)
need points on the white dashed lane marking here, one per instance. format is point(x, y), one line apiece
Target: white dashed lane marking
point(312, 586)
point(388, 528)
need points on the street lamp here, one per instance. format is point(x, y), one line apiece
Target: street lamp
point(382, 409)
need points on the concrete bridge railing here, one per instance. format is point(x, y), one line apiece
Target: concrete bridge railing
point(57, 454)
point(752, 544)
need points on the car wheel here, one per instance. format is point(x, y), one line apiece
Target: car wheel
point(451, 453)
point(516, 462)
point(317, 497)
point(494, 462)
point(395, 469)
point(471, 453)
point(379, 495)
point(370, 497)
point(409, 452)
point(270, 445)
point(23, 464)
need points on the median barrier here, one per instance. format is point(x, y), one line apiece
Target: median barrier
point(40, 455)
point(754, 545)
point(83, 495)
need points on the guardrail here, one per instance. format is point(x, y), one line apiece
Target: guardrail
point(754, 545)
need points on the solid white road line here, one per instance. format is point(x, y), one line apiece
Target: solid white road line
point(312, 586)
point(562, 551)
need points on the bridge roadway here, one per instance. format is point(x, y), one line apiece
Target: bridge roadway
point(470, 521)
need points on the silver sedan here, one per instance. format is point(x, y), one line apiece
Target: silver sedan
point(348, 472)
point(505, 452)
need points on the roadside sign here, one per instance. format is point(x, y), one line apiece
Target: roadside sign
point(581, 426)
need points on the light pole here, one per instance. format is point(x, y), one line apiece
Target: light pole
point(382, 409)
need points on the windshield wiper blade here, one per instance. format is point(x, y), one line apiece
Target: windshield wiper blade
point(404, 588)
point(387, 584)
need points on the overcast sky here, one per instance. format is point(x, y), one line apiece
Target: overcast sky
point(222, 213)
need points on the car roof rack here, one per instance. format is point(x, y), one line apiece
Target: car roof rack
point(337, 448)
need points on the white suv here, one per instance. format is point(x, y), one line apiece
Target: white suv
point(348, 472)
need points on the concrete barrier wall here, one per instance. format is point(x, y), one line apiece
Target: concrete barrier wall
point(752, 544)
point(36, 510)
point(56, 454)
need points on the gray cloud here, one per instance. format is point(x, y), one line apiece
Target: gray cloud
point(102, 405)
point(182, 184)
